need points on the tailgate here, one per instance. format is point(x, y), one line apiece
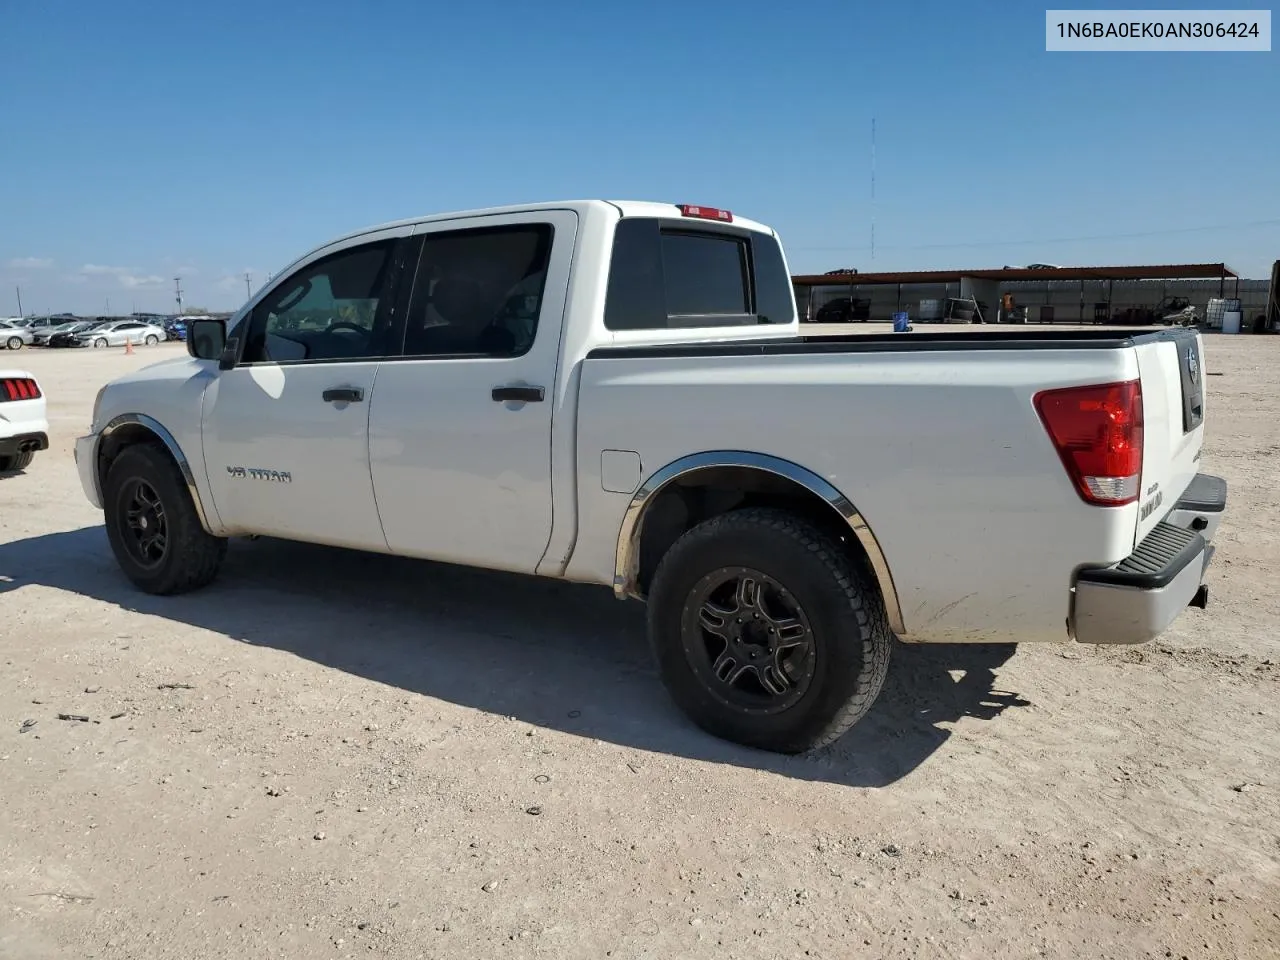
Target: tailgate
point(1172, 369)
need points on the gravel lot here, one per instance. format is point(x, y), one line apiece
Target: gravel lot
point(331, 755)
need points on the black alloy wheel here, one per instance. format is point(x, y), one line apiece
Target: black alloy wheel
point(142, 525)
point(749, 640)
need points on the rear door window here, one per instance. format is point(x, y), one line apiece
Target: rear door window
point(666, 275)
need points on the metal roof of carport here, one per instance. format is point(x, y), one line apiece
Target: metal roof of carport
point(1168, 271)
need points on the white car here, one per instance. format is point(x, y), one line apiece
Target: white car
point(120, 332)
point(14, 336)
point(24, 424)
point(619, 393)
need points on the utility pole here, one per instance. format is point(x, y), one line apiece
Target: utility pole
point(873, 188)
point(18, 287)
point(177, 293)
point(247, 292)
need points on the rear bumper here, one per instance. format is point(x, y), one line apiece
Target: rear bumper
point(1201, 506)
point(24, 443)
point(1136, 600)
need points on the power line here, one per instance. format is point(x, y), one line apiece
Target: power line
point(1011, 243)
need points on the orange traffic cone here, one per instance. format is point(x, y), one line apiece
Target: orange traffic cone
point(128, 346)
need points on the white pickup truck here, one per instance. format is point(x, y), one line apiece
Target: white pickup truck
point(619, 394)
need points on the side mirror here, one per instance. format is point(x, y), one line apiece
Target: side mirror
point(206, 339)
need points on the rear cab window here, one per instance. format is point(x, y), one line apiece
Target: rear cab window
point(666, 274)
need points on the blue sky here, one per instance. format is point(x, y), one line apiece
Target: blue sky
point(145, 140)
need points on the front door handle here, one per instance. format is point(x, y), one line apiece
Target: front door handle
point(343, 395)
point(523, 394)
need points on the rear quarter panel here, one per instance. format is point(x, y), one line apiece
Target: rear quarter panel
point(941, 451)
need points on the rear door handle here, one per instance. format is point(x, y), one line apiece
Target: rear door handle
point(523, 394)
point(343, 395)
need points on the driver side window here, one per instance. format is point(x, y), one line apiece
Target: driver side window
point(332, 309)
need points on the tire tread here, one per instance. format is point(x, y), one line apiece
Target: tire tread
point(199, 554)
point(16, 461)
point(866, 608)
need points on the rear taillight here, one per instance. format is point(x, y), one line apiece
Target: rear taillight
point(1097, 430)
point(19, 388)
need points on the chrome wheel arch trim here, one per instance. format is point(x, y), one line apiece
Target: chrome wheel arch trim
point(171, 444)
point(628, 550)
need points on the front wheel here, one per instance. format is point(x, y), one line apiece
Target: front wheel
point(14, 343)
point(766, 633)
point(100, 342)
point(152, 340)
point(153, 527)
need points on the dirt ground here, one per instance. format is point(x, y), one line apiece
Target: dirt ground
point(330, 755)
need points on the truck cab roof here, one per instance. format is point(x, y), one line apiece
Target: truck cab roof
point(619, 208)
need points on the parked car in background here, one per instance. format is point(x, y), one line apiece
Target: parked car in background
point(44, 334)
point(175, 328)
point(120, 332)
point(844, 310)
point(24, 425)
point(66, 334)
point(14, 336)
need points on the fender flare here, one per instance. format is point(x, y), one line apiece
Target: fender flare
point(162, 434)
point(627, 558)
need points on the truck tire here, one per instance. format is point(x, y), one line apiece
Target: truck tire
point(152, 524)
point(16, 461)
point(765, 633)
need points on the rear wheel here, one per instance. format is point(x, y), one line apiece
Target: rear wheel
point(16, 461)
point(153, 527)
point(14, 343)
point(766, 634)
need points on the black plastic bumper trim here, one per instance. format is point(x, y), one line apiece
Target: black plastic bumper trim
point(1204, 494)
point(1163, 554)
point(22, 443)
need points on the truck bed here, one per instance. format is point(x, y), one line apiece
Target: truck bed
point(945, 458)
point(957, 337)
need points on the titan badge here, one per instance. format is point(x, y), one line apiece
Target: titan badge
point(256, 473)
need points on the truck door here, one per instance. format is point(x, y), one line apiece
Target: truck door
point(286, 431)
point(460, 426)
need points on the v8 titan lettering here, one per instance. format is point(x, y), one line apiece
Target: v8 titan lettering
point(1151, 505)
point(256, 473)
point(649, 328)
